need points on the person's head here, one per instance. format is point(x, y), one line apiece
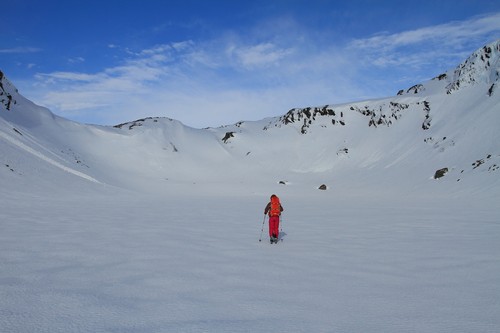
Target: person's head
point(273, 196)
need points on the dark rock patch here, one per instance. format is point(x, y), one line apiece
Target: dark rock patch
point(440, 173)
point(228, 136)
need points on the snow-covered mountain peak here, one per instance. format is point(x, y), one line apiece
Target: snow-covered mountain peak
point(483, 66)
point(371, 143)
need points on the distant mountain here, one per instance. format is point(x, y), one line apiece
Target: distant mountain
point(443, 132)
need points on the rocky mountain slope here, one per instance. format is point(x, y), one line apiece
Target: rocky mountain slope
point(443, 131)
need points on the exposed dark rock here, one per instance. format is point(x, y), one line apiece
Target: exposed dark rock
point(416, 89)
point(494, 167)
point(9, 167)
point(7, 101)
point(322, 187)
point(343, 151)
point(307, 116)
point(133, 124)
point(139, 122)
point(427, 122)
point(440, 173)
point(477, 163)
point(490, 91)
point(441, 77)
point(228, 136)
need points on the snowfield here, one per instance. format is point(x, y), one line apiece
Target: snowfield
point(125, 262)
point(152, 226)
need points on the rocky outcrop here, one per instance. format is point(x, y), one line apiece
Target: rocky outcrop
point(482, 65)
point(6, 99)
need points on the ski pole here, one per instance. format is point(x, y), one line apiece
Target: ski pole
point(262, 230)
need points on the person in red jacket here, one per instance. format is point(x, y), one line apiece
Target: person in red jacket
point(274, 210)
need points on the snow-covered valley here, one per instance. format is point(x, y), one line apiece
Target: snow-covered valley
point(152, 226)
point(136, 263)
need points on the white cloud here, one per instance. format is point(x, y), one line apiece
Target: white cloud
point(71, 101)
point(21, 50)
point(237, 77)
point(260, 55)
point(427, 45)
point(76, 60)
point(66, 76)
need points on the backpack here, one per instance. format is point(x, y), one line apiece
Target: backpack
point(275, 206)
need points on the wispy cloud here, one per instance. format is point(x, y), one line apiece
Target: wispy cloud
point(66, 76)
point(20, 50)
point(237, 76)
point(260, 55)
point(76, 60)
point(428, 45)
point(201, 84)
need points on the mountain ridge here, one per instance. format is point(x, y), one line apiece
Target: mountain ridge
point(447, 124)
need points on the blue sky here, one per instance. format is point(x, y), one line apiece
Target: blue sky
point(212, 63)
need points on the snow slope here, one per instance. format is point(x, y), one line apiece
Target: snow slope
point(448, 122)
point(152, 226)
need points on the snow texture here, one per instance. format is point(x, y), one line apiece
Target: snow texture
point(153, 226)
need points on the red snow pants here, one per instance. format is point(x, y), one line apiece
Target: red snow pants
point(274, 226)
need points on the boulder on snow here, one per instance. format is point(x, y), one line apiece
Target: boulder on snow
point(323, 187)
point(440, 173)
